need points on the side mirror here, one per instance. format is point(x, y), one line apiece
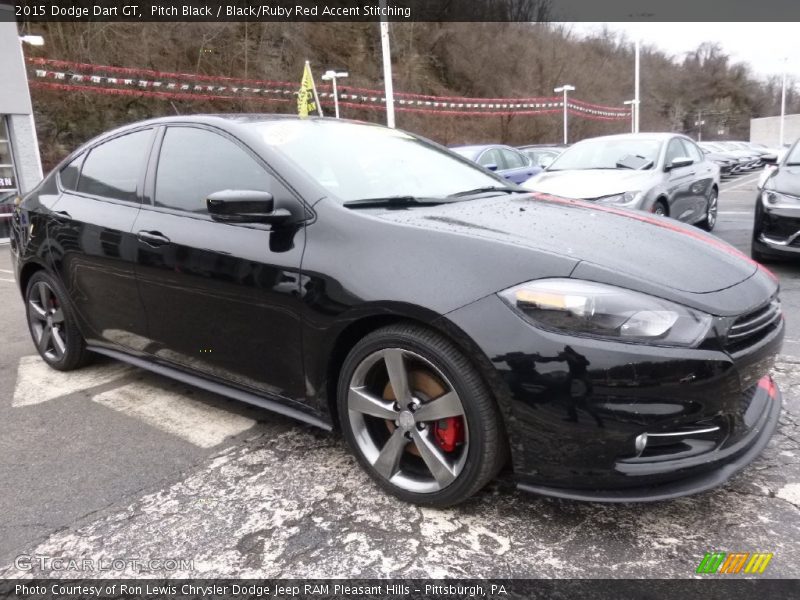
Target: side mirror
point(769, 159)
point(245, 206)
point(680, 161)
point(546, 161)
point(491, 167)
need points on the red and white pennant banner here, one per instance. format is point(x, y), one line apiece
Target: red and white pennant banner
point(69, 76)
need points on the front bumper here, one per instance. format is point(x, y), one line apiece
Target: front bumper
point(575, 407)
point(727, 464)
point(777, 230)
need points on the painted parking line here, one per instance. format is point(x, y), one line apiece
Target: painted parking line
point(741, 183)
point(7, 280)
point(5, 271)
point(749, 213)
point(173, 412)
point(37, 382)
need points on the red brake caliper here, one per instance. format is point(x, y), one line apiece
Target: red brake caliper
point(449, 433)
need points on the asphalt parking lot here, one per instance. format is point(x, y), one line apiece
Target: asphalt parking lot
point(112, 462)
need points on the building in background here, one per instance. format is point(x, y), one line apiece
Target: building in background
point(20, 165)
point(767, 130)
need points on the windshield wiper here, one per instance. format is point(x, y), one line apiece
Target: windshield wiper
point(792, 164)
point(393, 201)
point(483, 190)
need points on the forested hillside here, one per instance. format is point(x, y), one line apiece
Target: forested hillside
point(452, 59)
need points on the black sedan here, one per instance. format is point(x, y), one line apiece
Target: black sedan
point(776, 230)
point(450, 323)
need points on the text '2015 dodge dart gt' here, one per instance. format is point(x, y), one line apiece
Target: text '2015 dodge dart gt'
point(450, 323)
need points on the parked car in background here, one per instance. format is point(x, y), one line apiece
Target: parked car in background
point(762, 152)
point(725, 162)
point(747, 160)
point(503, 160)
point(664, 173)
point(776, 228)
point(543, 154)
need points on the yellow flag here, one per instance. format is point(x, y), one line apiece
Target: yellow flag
point(305, 97)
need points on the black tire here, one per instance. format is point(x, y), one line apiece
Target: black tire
point(485, 450)
point(47, 308)
point(756, 254)
point(711, 212)
point(660, 208)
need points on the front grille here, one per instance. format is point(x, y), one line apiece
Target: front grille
point(753, 326)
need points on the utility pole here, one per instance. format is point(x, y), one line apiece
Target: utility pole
point(699, 124)
point(565, 89)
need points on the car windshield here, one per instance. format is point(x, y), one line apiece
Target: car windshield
point(609, 154)
point(793, 159)
point(360, 161)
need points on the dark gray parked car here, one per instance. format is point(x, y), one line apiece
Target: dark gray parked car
point(663, 173)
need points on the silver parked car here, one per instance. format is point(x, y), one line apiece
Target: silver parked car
point(663, 173)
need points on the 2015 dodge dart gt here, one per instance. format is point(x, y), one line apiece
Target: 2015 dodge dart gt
point(450, 323)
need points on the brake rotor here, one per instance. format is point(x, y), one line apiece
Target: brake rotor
point(425, 386)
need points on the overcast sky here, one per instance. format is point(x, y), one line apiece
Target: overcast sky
point(763, 45)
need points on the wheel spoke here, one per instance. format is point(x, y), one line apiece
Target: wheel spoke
point(58, 316)
point(447, 405)
point(44, 296)
point(434, 459)
point(44, 341)
point(398, 376)
point(36, 312)
point(389, 458)
point(58, 342)
point(360, 400)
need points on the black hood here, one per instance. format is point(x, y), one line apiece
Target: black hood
point(786, 180)
point(633, 244)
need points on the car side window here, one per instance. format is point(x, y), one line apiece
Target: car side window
point(492, 157)
point(113, 169)
point(674, 150)
point(512, 159)
point(69, 174)
point(194, 163)
point(693, 151)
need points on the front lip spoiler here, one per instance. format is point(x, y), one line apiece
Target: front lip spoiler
point(674, 489)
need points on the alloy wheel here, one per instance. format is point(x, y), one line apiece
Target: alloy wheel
point(408, 420)
point(711, 213)
point(47, 322)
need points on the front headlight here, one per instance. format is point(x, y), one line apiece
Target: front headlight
point(604, 311)
point(773, 199)
point(624, 198)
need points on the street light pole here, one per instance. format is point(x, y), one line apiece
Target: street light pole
point(633, 104)
point(565, 89)
point(387, 66)
point(331, 75)
point(783, 100)
point(636, 88)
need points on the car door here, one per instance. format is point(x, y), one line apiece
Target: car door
point(492, 160)
point(679, 183)
point(703, 181)
point(221, 299)
point(91, 239)
point(519, 167)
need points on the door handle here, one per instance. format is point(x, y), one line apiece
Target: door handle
point(152, 238)
point(62, 215)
